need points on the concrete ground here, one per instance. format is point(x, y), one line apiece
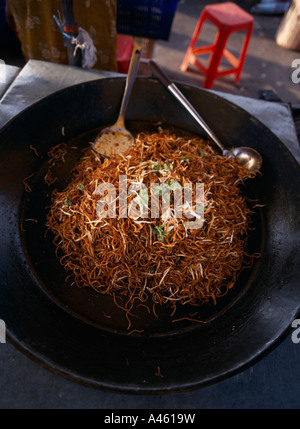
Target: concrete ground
point(268, 66)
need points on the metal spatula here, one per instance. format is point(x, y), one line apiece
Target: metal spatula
point(117, 139)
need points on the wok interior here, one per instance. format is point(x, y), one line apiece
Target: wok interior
point(100, 309)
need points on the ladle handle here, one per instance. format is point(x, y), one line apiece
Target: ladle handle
point(131, 75)
point(180, 97)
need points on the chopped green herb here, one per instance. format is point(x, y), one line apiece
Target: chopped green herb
point(81, 186)
point(160, 231)
point(67, 202)
point(156, 166)
point(185, 159)
point(201, 152)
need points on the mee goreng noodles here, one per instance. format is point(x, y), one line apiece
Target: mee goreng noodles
point(119, 229)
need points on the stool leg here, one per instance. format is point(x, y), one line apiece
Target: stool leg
point(243, 53)
point(216, 58)
point(186, 59)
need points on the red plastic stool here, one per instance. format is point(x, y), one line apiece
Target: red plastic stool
point(228, 18)
point(125, 46)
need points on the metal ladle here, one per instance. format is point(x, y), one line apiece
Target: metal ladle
point(246, 156)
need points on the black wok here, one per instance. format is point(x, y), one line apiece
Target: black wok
point(82, 335)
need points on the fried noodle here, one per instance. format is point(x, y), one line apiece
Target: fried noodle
point(141, 257)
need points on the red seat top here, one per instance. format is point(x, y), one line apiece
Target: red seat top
point(228, 13)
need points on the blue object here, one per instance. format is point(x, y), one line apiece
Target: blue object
point(271, 8)
point(146, 18)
